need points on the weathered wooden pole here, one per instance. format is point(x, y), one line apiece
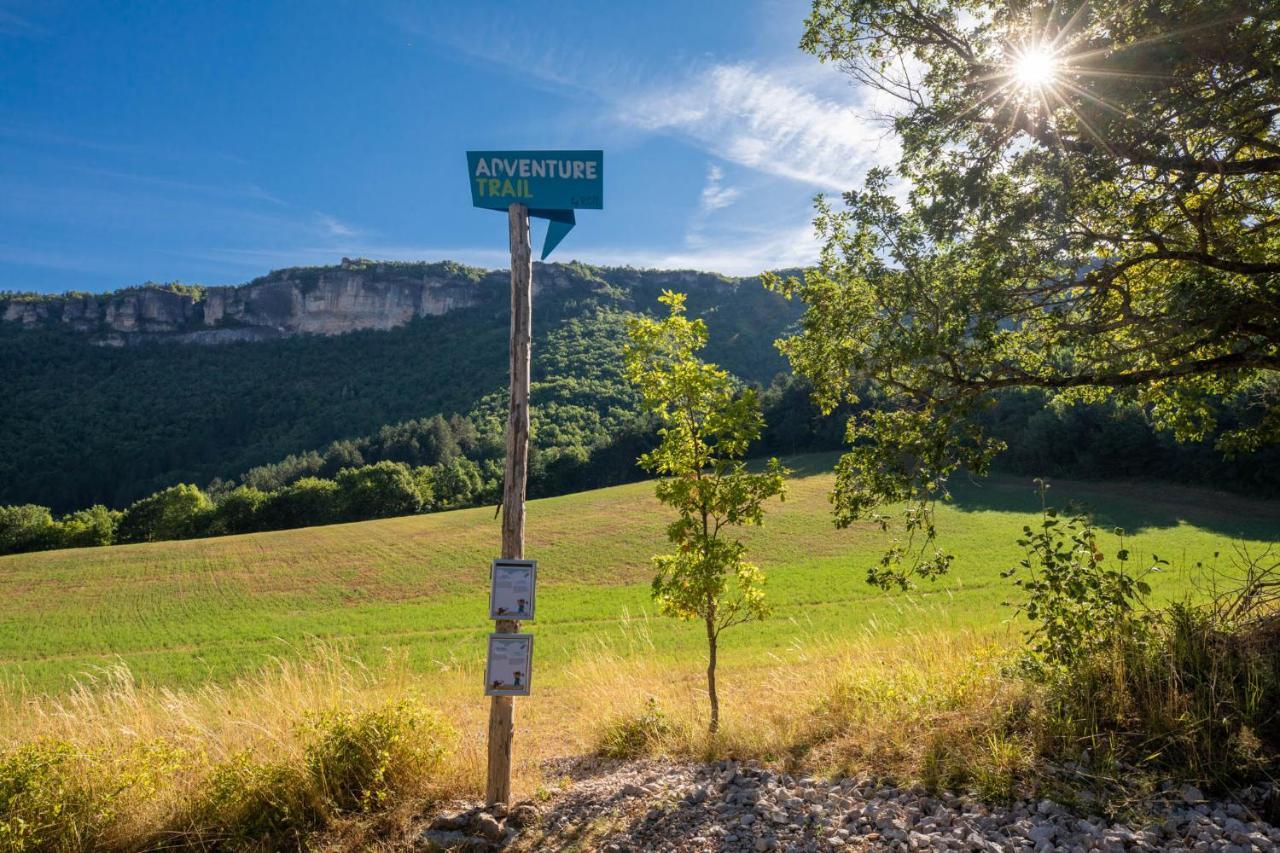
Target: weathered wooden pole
point(502, 709)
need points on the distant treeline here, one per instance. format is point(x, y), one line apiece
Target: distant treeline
point(381, 490)
point(437, 463)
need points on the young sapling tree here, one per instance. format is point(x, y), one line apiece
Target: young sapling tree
point(707, 424)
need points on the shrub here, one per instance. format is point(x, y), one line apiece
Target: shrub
point(26, 528)
point(1198, 696)
point(1077, 603)
point(178, 512)
point(253, 803)
point(238, 511)
point(309, 501)
point(382, 490)
point(635, 735)
point(357, 761)
point(44, 801)
point(351, 762)
point(87, 528)
point(456, 484)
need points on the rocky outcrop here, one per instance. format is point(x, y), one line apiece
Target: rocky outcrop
point(141, 310)
point(315, 300)
point(338, 301)
point(356, 294)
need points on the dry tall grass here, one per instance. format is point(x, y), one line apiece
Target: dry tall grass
point(145, 759)
point(889, 706)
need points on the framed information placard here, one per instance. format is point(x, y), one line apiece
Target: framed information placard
point(510, 665)
point(511, 591)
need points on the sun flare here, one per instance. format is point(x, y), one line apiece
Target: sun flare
point(1035, 68)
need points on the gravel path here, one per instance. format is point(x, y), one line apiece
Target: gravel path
point(656, 806)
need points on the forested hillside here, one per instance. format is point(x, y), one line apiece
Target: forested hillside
point(299, 429)
point(85, 424)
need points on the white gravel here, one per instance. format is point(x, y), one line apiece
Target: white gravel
point(657, 806)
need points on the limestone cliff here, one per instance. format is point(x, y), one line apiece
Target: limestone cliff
point(317, 300)
point(357, 294)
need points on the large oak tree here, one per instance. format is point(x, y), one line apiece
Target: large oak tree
point(1085, 203)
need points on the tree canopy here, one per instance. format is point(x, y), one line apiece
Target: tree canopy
point(1085, 202)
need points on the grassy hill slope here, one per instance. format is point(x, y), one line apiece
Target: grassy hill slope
point(183, 613)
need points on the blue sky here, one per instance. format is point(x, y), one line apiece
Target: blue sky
point(212, 142)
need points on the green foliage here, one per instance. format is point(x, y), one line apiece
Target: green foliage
point(86, 528)
point(308, 501)
point(637, 735)
point(381, 490)
point(55, 797)
point(1079, 601)
point(85, 424)
point(358, 761)
point(353, 761)
point(44, 801)
point(247, 802)
point(26, 528)
point(707, 426)
point(177, 512)
point(459, 483)
point(1109, 235)
point(1196, 695)
point(238, 511)
point(1116, 439)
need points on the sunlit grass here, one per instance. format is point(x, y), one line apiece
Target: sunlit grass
point(191, 613)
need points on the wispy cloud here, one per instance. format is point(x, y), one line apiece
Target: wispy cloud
point(247, 191)
point(743, 253)
point(767, 122)
point(715, 194)
point(335, 227)
point(795, 120)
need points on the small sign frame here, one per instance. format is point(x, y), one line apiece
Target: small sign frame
point(509, 668)
point(513, 588)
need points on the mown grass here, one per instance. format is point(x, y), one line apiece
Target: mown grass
point(195, 612)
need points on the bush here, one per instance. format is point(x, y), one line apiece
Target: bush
point(1078, 603)
point(457, 484)
point(44, 803)
point(358, 761)
point(1192, 690)
point(382, 490)
point(352, 762)
point(248, 803)
point(26, 528)
point(1196, 695)
point(87, 528)
point(178, 512)
point(308, 501)
point(636, 735)
point(238, 511)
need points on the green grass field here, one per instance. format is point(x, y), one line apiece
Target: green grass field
point(185, 613)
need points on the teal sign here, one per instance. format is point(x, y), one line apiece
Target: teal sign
point(552, 184)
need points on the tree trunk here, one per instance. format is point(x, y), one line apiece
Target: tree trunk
point(711, 677)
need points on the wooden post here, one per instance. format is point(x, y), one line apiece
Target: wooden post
point(502, 710)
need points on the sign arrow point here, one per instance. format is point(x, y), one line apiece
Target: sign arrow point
point(559, 224)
